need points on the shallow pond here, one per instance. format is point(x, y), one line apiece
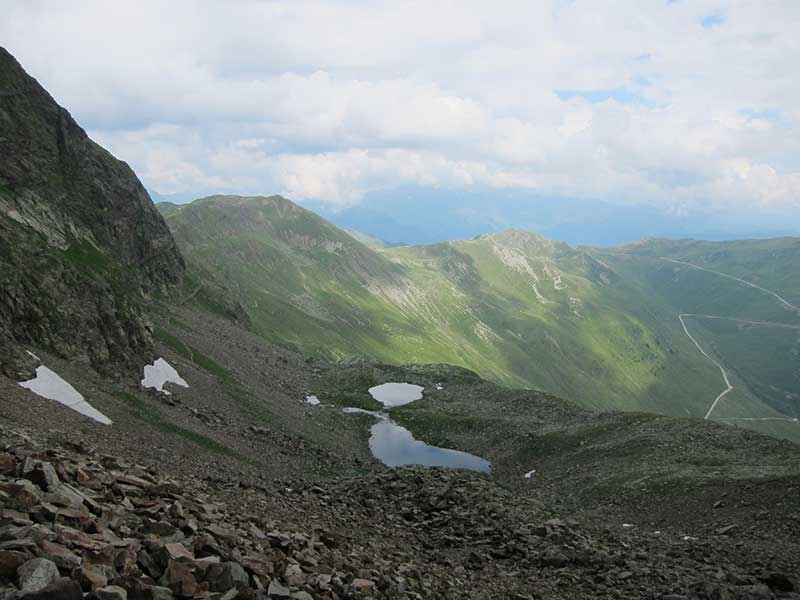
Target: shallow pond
point(396, 394)
point(395, 446)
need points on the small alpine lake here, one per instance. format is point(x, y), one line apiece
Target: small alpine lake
point(395, 446)
point(396, 394)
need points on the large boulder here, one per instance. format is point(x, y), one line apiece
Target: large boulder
point(36, 574)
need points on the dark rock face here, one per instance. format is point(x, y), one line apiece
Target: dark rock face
point(81, 244)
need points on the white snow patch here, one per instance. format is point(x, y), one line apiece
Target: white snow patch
point(530, 474)
point(439, 387)
point(33, 355)
point(396, 394)
point(628, 525)
point(48, 384)
point(159, 373)
point(312, 400)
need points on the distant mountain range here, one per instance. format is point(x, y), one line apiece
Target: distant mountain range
point(413, 216)
point(425, 216)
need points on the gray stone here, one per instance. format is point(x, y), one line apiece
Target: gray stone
point(294, 575)
point(61, 555)
point(225, 576)
point(61, 589)
point(42, 474)
point(180, 578)
point(111, 592)
point(93, 575)
point(24, 494)
point(363, 585)
point(726, 529)
point(278, 591)
point(36, 574)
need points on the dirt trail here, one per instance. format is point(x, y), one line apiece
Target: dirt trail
point(746, 321)
point(782, 300)
point(789, 419)
point(728, 385)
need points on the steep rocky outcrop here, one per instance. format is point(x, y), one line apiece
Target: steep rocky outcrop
point(81, 244)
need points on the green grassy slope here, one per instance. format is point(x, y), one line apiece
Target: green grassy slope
point(773, 264)
point(516, 308)
point(756, 337)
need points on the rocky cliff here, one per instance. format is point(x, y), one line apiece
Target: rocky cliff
point(81, 245)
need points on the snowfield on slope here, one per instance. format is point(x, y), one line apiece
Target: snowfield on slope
point(49, 384)
point(160, 373)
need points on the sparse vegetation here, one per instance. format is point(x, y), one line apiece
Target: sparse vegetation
point(198, 358)
point(154, 418)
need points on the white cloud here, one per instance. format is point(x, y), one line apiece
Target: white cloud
point(332, 100)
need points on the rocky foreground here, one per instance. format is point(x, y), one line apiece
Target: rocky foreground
point(77, 524)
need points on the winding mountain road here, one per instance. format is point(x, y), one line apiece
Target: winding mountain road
point(789, 419)
point(745, 321)
point(782, 300)
point(728, 386)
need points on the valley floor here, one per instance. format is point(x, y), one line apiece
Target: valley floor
point(621, 505)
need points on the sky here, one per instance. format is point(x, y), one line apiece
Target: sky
point(681, 105)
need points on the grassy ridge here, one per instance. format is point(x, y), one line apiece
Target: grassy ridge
point(516, 308)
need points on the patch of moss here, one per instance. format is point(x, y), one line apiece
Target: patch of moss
point(87, 257)
point(93, 262)
point(433, 426)
point(213, 367)
point(173, 342)
point(362, 423)
point(559, 442)
point(180, 324)
point(198, 358)
point(153, 417)
point(350, 390)
point(205, 299)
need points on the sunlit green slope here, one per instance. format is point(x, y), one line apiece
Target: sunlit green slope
point(515, 307)
point(754, 332)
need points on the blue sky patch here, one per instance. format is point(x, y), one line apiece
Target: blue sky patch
point(712, 20)
point(770, 114)
point(621, 95)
